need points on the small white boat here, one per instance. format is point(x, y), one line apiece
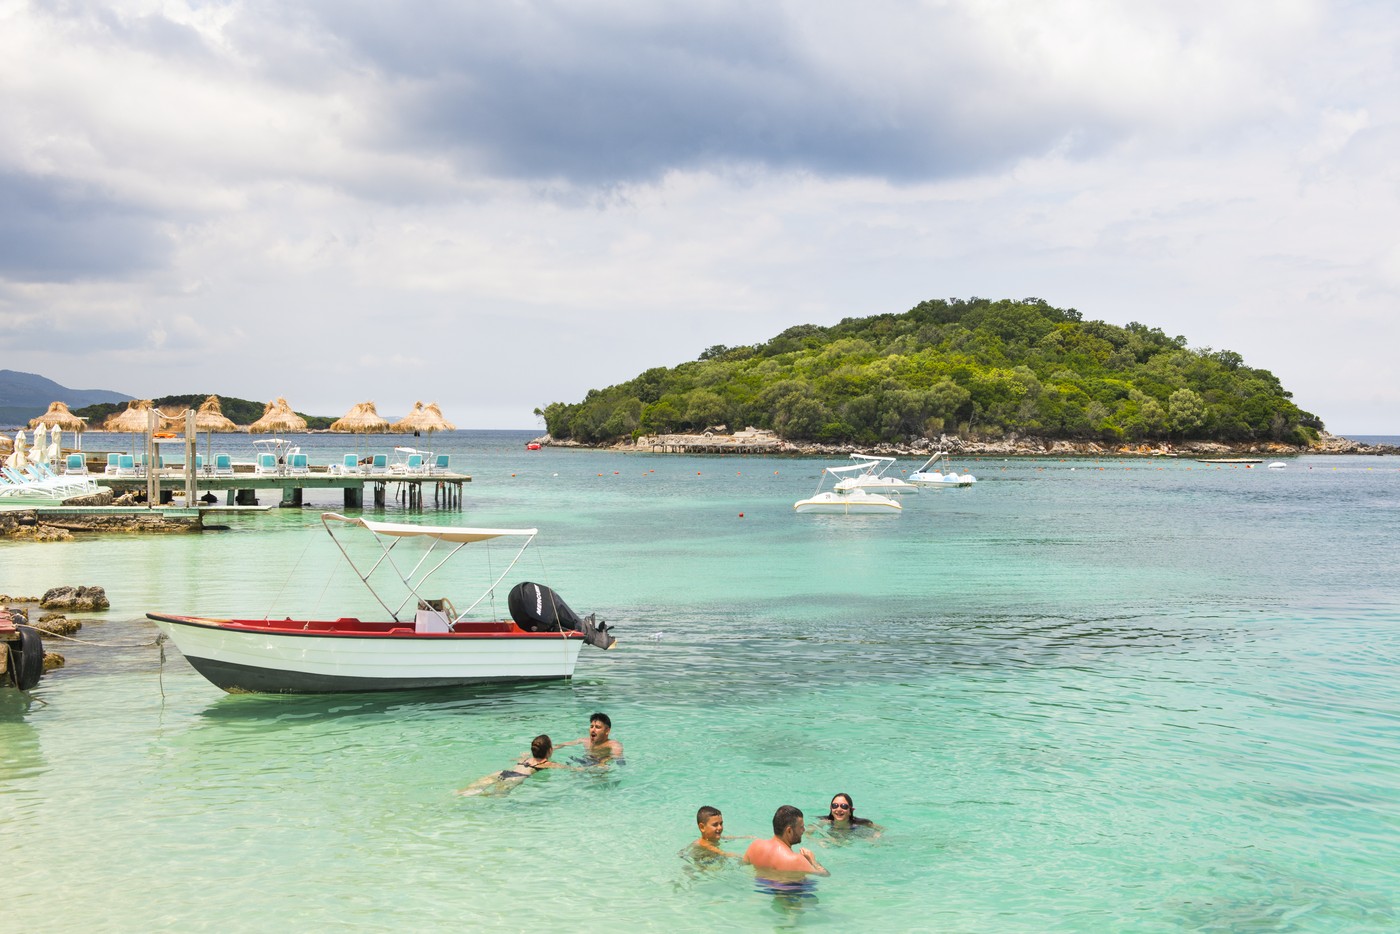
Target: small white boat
point(869, 475)
point(425, 643)
point(1277, 465)
point(848, 501)
point(925, 477)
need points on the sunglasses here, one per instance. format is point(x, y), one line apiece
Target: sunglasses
point(840, 807)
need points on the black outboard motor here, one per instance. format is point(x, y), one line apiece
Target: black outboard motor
point(537, 608)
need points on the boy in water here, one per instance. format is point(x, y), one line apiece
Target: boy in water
point(711, 824)
point(498, 783)
point(598, 743)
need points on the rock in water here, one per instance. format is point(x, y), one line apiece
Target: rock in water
point(74, 598)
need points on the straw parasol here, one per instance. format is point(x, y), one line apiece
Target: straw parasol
point(58, 416)
point(411, 422)
point(277, 417)
point(423, 418)
point(361, 419)
point(133, 420)
point(210, 418)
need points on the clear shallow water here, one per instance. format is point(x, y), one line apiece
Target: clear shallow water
point(1081, 696)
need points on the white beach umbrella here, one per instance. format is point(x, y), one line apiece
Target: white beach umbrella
point(17, 459)
point(41, 444)
point(55, 445)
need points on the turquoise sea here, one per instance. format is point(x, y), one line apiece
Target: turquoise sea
point(1083, 695)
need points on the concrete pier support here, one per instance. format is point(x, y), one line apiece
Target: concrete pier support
point(354, 497)
point(246, 498)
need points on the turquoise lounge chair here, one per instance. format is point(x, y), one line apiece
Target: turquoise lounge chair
point(298, 464)
point(223, 465)
point(75, 463)
point(379, 466)
point(266, 464)
point(441, 465)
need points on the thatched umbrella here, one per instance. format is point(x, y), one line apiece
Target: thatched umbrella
point(423, 418)
point(133, 420)
point(59, 416)
point(278, 417)
point(210, 418)
point(361, 419)
point(410, 422)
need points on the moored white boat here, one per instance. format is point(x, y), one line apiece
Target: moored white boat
point(870, 475)
point(846, 502)
point(424, 644)
point(934, 478)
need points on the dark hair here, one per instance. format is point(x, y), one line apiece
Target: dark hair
point(785, 817)
point(855, 821)
point(705, 813)
point(600, 718)
point(541, 746)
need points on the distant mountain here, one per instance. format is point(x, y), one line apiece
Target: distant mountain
point(27, 395)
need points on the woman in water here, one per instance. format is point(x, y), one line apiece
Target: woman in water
point(498, 783)
point(840, 819)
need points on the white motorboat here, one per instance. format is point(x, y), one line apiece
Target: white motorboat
point(934, 478)
point(870, 475)
point(1277, 465)
point(848, 501)
point(425, 643)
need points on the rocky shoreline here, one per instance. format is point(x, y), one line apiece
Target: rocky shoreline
point(954, 446)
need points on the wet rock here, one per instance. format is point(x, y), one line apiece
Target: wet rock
point(103, 497)
point(53, 660)
point(75, 598)
point(39, 533)
point(57, 624)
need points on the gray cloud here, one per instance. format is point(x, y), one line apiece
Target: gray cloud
point(602, 95)
point(60, 230)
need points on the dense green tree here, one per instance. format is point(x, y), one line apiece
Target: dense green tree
point(952, 365)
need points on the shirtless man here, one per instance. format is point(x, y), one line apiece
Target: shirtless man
point(597, 743)
point(774, 857)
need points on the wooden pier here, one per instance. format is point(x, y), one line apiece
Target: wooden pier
point(241, 489)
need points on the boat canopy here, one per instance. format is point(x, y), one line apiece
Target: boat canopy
point(850, 468)
point(444, 533)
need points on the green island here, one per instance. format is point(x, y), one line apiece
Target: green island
point(978, 369)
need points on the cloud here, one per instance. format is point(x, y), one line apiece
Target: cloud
point(56, 230)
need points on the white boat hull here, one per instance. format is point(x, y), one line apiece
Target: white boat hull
point(281, 662)
point(852, 503)
point(941, 479)
point(884, 486)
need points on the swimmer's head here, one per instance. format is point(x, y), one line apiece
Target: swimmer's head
point(599, 726)
point(845, 813)
point(541, 746)
point(710, 822)
point(788, 818)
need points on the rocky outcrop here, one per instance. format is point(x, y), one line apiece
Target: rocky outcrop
point(74, 598)
point(41, 526)
point(57, 624)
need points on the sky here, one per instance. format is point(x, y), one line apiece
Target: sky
point(499, 205)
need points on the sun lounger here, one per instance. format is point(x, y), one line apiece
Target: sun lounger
point(223, 465)
point(298, 464)
point(441, 465)
point(75, 464)
point(349, 466)
point(379, 466)
point(265, 465)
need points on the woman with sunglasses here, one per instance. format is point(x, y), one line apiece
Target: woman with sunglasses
point(841, 819)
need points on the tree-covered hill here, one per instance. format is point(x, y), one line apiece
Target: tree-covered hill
point(976, 368)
